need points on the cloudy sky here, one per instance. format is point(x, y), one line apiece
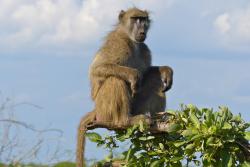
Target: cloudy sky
point(46, 47)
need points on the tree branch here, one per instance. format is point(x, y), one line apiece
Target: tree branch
point(155, 127)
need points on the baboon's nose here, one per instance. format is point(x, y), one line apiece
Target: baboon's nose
point(142, 33)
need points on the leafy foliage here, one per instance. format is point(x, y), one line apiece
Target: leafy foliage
point(25, 165)
point(197, 136)
point(65, 164)
point(59, 164)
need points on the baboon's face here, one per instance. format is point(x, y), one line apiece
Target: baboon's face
point(139, 28)
point(136, 23)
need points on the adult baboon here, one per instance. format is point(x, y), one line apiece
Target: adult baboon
point(123, 82)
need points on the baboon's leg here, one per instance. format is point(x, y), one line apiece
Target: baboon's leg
point(113, 101)
point(150, 99)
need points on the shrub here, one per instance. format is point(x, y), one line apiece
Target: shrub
point(197, 136)
point(65, 164)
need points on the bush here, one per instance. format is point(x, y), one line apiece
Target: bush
point(2, 164)
point(26, 165)
point(65, 164)
point(196, 136)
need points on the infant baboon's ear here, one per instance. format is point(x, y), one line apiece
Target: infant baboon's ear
point(122, 12)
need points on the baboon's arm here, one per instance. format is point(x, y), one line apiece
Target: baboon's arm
point(166, 74)
point(123, 72)
point(160, 69)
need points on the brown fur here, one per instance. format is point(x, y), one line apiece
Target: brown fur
point(151, 99)
point(88, 118)
point(120, 67)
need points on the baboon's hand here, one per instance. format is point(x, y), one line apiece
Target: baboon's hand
point(137, 118)
point(135, 81)
point(166, 77)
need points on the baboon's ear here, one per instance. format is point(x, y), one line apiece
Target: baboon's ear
point(121, 15)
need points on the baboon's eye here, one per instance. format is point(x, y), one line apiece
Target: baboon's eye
point(134, 18)
point(139, 18)
point(140, 21)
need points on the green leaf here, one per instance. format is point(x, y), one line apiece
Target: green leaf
point(187, 133)
point(190, 146)
point(245, 164)
point(171, 112)
point(94, 137)
point(153, 153)
point(127, 156)
point(210, 140)
point(247, 135)
point(161, 146)
point(150, 137)
point(237, 118)
point(209, 117)
point(143, 138)
point(197, 163)
point(230, 162)
point(212, 129)
point(226, 159)
point(109, 157)
point(156, 163)
point(227, 126)
point(178, 144)
point(175, 159)
point(196, 137)
point(195, 120)
point(135, 126)
point(191, 106)
point(184, 120)
point(129, 132)
point(174, 127)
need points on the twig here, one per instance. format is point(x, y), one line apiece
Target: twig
point(23, 124)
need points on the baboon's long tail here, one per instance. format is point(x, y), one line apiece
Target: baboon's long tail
point(88, 118)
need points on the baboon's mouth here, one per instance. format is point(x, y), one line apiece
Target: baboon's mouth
point(141, 37)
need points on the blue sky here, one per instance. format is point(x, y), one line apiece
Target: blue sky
point(46, 47)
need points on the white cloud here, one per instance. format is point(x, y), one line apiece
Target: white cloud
point(243, 26)
point(36, 23)
point(52, 25)
point(222, 23)
point(234, 28)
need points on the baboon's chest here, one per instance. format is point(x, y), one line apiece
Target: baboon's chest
point(137, 60)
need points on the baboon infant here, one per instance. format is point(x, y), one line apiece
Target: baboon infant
point(124, 84)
